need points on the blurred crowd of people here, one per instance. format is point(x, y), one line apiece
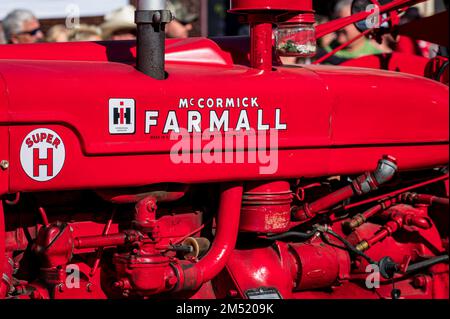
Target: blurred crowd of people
point(364, 46)
point(22, 26)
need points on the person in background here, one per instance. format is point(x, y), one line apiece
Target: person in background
point(405, 44)
point(21, 26)
point(119, 24)
point(85, 32)
point(57, 33)
point(182, 24)
point(2, 35)
point(358, 48)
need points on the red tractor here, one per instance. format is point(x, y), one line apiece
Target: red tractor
point(203, 168)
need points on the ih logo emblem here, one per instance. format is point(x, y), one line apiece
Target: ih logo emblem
point(42, 154)
point(121, 116)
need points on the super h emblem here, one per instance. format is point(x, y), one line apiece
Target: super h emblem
point(122, 116)
point(42, 154)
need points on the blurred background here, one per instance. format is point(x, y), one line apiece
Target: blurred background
point(28, 21)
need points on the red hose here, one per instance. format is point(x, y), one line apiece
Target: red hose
point(100, 241)
point(398, 192)
point(223, 244)
point(430, 199)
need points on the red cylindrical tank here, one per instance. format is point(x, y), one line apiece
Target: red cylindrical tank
point(319, 265)
point(266, 207)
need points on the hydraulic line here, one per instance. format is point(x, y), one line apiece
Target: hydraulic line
point(364, 184)
point(300, 235)
point(349, 246)
point(395, 193)
point(414, 198)
point(427, 263)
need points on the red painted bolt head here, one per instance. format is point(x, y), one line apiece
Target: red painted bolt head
point(420, 281)
point(171, 281)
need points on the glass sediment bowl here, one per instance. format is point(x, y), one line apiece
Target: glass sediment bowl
point(294, 38)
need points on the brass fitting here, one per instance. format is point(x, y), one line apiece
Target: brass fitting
point(362, 246)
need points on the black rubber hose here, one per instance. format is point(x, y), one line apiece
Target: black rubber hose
point(350, 247)
point(304, 236)
point(427, 263)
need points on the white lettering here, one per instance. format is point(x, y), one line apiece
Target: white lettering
point(151, 119)
point(217, 123)
point(171, 123)
point(243, 122)
point(194, 121)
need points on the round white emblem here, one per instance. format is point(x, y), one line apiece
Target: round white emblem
point(42, 154)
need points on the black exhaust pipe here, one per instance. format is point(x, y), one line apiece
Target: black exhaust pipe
point(151, 19)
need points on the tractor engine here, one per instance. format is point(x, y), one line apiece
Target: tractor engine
point(205, 169)
point(275, 239)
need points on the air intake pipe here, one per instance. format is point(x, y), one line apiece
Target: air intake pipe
point(364, 184)
point(151, 19)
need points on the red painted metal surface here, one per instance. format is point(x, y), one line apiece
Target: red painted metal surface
point(122, 219)
point(224, 242)
point(261, 43)
point(266, 207)
point(325, 130)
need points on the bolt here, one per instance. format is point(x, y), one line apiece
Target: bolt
point(60, 287)
point(4, 165)
point(171, 281)
point(420, 281)
point(396, 293)
point(89, 287)
point(157, 17)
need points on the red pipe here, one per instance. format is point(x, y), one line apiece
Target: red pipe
point(100, 241)
point(363, 184)
point(224, 242)
point(100, 250)
point(331, 199)
point(398, 192)
point(342, 46)
point(360, 219)
point(430, 199)
point(400, 216)
point(43, 216)
point(261, 41)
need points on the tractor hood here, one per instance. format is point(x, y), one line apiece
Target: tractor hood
point(309, 106)
point(328, 120)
